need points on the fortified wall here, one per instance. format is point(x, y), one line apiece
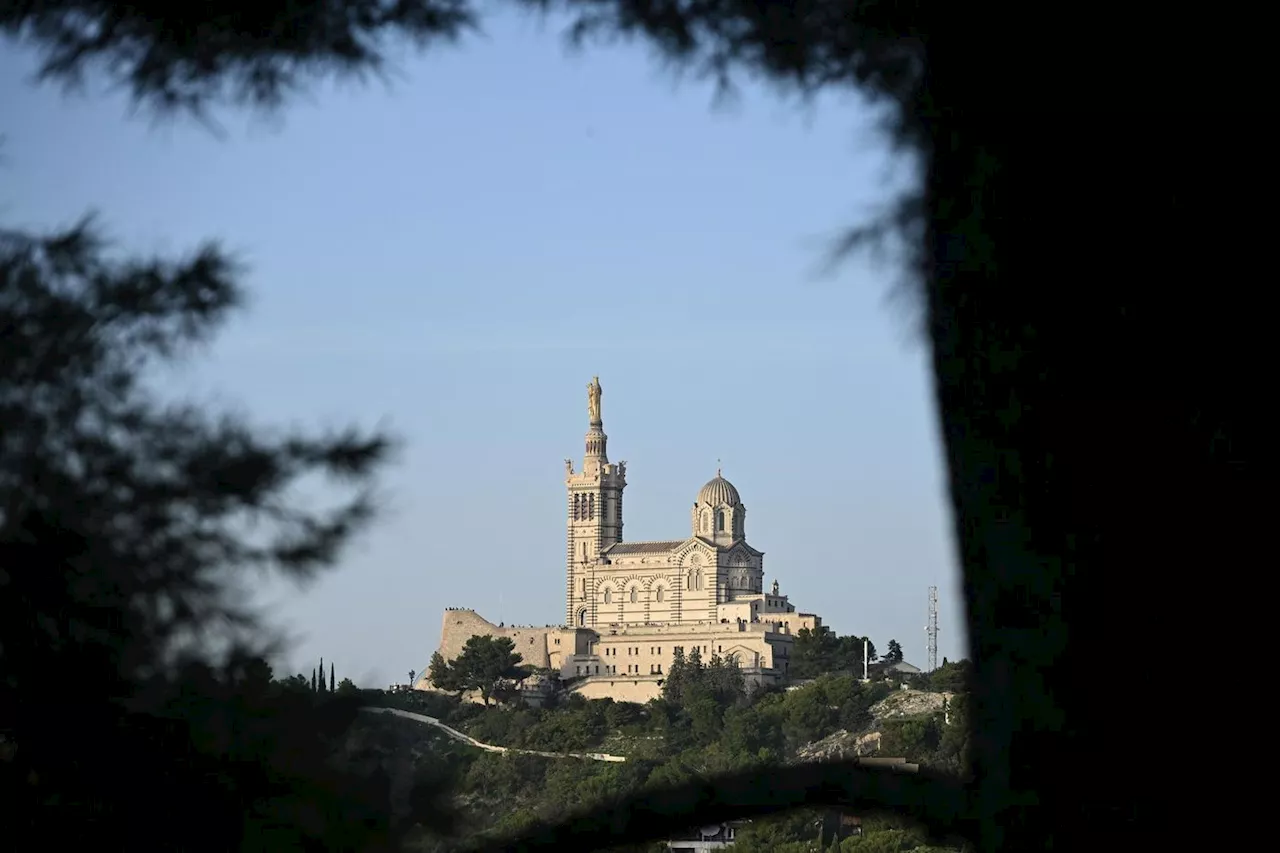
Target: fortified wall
point(543, 646)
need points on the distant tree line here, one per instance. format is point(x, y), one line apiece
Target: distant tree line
point(820, 651)
point(317, 682)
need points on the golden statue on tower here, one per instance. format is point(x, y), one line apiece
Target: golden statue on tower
point(593, 399)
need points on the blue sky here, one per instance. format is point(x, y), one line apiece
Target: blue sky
point(455, 254)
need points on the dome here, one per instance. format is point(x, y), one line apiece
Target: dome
point(718, 492)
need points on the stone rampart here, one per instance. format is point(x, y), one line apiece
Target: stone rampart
point(460, 625)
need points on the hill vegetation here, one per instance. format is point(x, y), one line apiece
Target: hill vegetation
point(705, 723)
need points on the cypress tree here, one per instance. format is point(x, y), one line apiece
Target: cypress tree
point(333, 685)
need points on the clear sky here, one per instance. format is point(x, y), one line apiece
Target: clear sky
point(456, 254)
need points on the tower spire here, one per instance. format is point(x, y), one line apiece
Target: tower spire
point(594, 516)
point(597, 441)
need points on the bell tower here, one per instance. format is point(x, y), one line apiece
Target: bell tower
point(594, 514)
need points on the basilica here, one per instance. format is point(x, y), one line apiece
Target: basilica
point(629, 606)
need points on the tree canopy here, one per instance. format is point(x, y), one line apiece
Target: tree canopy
point(822, 650)
point(485, 664)
point(129, 529)
point(187, 58)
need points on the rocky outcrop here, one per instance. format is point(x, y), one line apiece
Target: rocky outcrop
point(899, 705)
point(839, 746)
point(904, 704)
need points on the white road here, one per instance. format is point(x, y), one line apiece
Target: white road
point(488, 747)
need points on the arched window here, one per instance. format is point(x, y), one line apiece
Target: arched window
point(659, 594)
point(720, 521)
point(591, 507)
point(608, 596)
point(582, 617)
point(575, 507)
point(634, 595)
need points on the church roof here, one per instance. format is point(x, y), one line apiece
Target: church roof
point(644, 547)
point(719, 492)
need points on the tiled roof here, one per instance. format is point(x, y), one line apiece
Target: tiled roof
point(644, 547)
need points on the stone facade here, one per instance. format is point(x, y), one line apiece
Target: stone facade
point(630, 605)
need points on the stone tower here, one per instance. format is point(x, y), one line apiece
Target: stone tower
point(594, 514)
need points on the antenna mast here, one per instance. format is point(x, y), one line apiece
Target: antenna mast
point(931, 630)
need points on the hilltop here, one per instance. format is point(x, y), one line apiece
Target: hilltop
point(697, 730)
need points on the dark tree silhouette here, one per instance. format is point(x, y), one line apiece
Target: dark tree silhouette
point(182, 58)
point(123, 553)
point(1099, 409)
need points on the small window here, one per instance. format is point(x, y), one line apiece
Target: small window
point(659, 595)
point(608, 596)
point(720, 521)
point(634, 596)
